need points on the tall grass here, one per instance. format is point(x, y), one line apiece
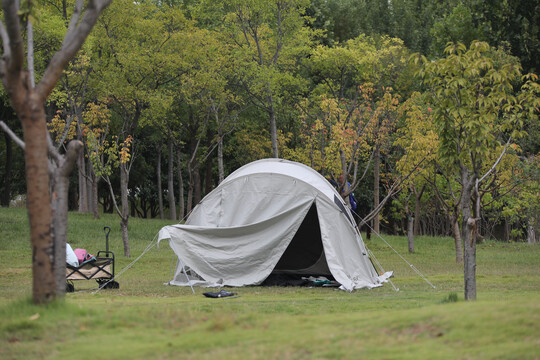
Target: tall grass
point(145, 319)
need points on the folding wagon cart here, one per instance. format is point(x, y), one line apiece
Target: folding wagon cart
point(99, 268)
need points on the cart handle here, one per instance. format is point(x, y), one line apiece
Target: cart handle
point(107, 230)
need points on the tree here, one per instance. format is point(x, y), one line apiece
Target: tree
point(266, 38)
point(476, 113)
point(417, 139)
point(135, 47)
point(347, 121)
point(28, 102)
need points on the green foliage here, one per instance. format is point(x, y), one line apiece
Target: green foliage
point(475, 103)
point(191, 71)
point(457, 26)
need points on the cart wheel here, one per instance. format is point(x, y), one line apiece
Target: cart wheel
point(104, 284)
point(113, 285)
point(70, 288)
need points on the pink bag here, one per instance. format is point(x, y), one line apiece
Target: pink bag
point(81, 255)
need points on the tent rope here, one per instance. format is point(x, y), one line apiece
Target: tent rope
point(402, 258)
point(130, 265)
point(381, 269)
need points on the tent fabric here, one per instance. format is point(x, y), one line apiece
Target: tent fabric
point(263, 218)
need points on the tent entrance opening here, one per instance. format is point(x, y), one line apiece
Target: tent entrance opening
point(305, 253)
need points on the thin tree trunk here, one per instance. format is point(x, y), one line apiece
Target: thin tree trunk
point(197, 191)
point(6, 193)
point(469, 237)
point(190, 195)
point(273, 127)
point(376, 179)
point(410, 233)
point(30, 52)
point(170, 182)
point(89, 186)
point(456, 232)
point(208, 183)
point(181, 207)
point(81, 165)
point(507, 229)
point(124, 180)
point(410, 225)
point(531, 230)
point(95, 182)
point(221, 170)
point(83, 194)
point(417, 203)
point(158, 175)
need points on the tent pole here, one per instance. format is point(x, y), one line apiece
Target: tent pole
point(171, 269)
point(185, 273)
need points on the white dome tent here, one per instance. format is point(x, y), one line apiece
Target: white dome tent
point(270, 216)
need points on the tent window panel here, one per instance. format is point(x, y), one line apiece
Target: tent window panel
point(306, 246)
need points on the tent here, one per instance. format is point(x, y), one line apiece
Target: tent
point(270, 216)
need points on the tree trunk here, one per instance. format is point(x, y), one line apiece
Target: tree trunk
point(89, 185)
point(197, 191)
point(507, 229)
point(410, 225)
point(190, 189)
point(65, 165)
point(189, 206)
point(159, 189)
point(456, 232)
point(32, 116)
point(376, 179)
point(124, 180)
point(170, 183)
point(208, 182)
point(417, 203)
point(181, 207)
point(531, 230)
point(95, 182)
point(221, 169)
point(6, 193)
point(273, 126)
point(468, 229)
point(410, 233)
point(83, 194)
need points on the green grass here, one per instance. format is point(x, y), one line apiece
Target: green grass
point(145, 319)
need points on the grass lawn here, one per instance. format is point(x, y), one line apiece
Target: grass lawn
point(145, 319)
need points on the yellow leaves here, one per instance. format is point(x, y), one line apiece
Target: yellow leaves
point(105, 153)
point(125, 155)
point(97, 115)
point(62, 129)
point(417, 137)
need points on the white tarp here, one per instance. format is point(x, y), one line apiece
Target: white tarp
point(239, 232)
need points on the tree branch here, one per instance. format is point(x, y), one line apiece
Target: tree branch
point(77, 11)
point(13, 136)
point(496, 162)
point(70, 157)
point(5, 40)
point(394, 189)
point(15, 45)
point(72, 43)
